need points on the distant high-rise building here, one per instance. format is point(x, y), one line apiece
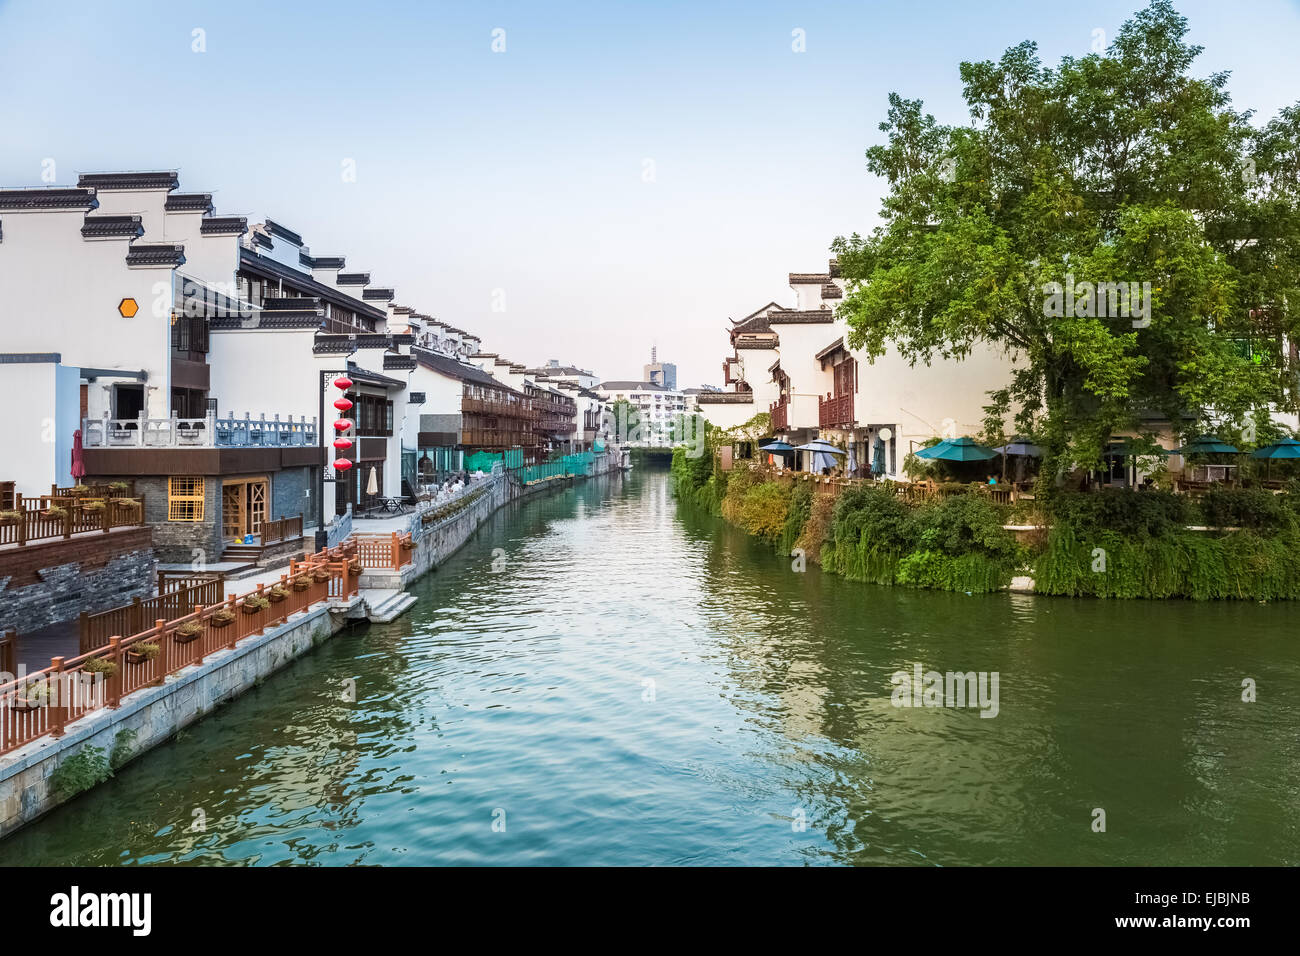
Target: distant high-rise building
point(660, 373)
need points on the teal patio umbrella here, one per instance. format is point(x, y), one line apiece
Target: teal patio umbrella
point(1283, 449)
point(957, 449)
point(1206, 445)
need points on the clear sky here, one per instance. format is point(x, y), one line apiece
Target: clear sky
point(627, 174)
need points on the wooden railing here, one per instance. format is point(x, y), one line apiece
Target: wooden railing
point(780, 415)
point(281, 529)
point(124, 489)
point(46, 701)
point(97, 629)
point(384, 551)
point(46, 517)
point(835, 410)
point(176, 580)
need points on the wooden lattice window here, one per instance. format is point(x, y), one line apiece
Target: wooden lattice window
point(184, 499)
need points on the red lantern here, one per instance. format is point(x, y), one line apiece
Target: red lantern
point(342, 425)
point(342, 464)
point(343, 444)
point(342, 404)
point(343, 383)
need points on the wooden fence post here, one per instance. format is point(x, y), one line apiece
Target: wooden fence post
point(203, 638)
point(114, 690)
point(261, 613)
point(233, 625)
point(396, 552)
point(58, 712)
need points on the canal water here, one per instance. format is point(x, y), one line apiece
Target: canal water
point(599, 677)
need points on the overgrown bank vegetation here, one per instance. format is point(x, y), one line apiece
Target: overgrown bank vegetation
point(1126, 544)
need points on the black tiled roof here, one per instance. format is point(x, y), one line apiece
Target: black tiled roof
point(459, 370)
point(282, 232)
point(14, 199)
point(800, 317)
point(163, 254)
point(399, 361)
point(321, 262)
point(265, 266)
point(353, 278)
point(147, 180)
point(188, 202)
point(224, 226)
point(384, 295)
point(112, 227)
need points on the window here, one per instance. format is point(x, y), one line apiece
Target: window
point(184, 499)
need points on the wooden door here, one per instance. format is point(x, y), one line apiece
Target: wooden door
point(232, 511)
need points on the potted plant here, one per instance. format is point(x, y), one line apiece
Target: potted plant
point(189, 631)
point(10, 517)
point(408, 544)
point(35, 694)
point(100, 665)
point(355, 566)
point(94, 505)
point(55, 511)
point(254, 603)
point(120, 487)
point(79, 490)
point(222, 618)
point(302, 582)
point(142, 652)
point(320, 575)
point(277, 594)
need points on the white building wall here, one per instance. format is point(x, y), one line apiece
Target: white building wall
point(69, 289)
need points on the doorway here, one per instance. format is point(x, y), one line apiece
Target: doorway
point(243, 507)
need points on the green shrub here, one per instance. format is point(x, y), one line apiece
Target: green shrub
point(764, 509)
point(1253, 508)
point(123, 741)
point(801, 502)
point(1128, 512)
point(83, 770)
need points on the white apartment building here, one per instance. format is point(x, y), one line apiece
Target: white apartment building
point(658, 407)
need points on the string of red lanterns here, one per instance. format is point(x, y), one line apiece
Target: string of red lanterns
point(341, 425)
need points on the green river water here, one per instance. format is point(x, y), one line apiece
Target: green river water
point(638, 684)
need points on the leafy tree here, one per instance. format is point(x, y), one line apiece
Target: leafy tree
point(1117, 167)
point(626, 419)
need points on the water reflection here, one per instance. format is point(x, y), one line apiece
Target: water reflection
point(635, 684)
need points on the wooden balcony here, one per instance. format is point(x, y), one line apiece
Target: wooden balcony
point(486, 406)
point(835, 411)
point(33, 520)
point(780, 415)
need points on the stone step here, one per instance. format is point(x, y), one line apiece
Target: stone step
point(384, 605)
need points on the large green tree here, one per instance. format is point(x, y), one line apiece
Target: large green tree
point(1117, 167)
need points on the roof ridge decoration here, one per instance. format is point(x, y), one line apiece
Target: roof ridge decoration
point(155, 254)
point(223, 226)
point(45, 197)
point(112, 227)
point(188, 202)
point(283, 232)
point(151, 179)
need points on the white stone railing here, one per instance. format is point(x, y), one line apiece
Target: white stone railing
point(207, 432)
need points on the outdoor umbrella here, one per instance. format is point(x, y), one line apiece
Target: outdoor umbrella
point(957, 449)
point(878, 457)
point(1206, 445)
point(1018, 446)
point(822, 451)
point(1285, 448)
point(372, 483)
point(78, 464)
point(1126, 448)
point(1021, 448)
point(777, 447)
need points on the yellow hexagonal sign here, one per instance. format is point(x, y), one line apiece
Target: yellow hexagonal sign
point(127, 308)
